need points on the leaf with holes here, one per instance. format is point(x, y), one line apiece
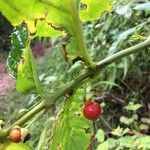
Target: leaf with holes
point(71, 129)
point(19, 39)
point(92, 10)
point(52, 18)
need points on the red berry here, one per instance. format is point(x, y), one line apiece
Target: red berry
point(15, 135)
point(92, 110)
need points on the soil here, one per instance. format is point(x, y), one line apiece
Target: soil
point(6, 81)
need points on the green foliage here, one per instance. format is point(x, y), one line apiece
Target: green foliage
point(45, 30)
point(91, 9)
point(124, 26)
point(25, 79)
point(126, 120)
point(100, 135)
point(137, 142)
point(19, 39)
point(71, 129)
point(14, 146)
point(21, 63)
point(120, 131)
point(38, 9)
point(114, 31)
point(49, 18)
point(133, 107)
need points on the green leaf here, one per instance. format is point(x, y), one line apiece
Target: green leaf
point(92, 10)
point(100, 135)
point(25, 80)
point(127, 142)
point(126, 120)
point(32, 12)
point(10, 12)
point(146, 120)
point(51, 18)
point(44, 14)
point(143, 142)
point(21, 63)
point(143, 6)
point(72, 130)
point(19, 39)
point(132, 106)
point(112, 143)
point(18, 11)
point(63, 15)
point(120, 131)
point(15, 146)
point(45, 30)
point(143, 127)
point(120, 39)
point(103, 146)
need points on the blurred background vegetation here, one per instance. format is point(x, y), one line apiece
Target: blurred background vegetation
point(123, 88)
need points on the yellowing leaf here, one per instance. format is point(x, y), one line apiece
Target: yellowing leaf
point(43, 29)
point(15, 146)
point(92, 9)
point(31, 26)
point(57, 15)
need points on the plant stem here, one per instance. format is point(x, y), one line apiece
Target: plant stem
point(23, 120)
point(136, 48)
point(49, 101)
point(37, 117)
point(78, 32)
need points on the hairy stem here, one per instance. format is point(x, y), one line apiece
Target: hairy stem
point(78, 32)
point(23, 119)
point(123, 53)
point(66, 89)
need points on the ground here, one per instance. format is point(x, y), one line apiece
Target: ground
point(6, 81)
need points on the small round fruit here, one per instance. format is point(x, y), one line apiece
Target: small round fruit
point(15, 135)
point(92, 110)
